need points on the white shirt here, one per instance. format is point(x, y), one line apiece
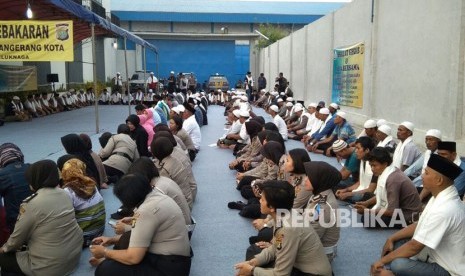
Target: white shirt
point(441, 229)
point(193, 129)
point(234, 129)
point(279, 122)
point(244, 135)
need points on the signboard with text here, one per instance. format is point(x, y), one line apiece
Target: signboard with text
point(30, 40)
point(348, 75)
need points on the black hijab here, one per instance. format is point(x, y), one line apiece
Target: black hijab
point(271, 126)
point(273, 151)
point(42, 174)
point(161, 148)
point(134, 119)
point(74, 145)
point(103, 139)
point(259, 119)
point(322, 175)
point(253, 128)
point(166, 134)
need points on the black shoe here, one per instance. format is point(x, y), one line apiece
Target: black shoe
point(238, 205)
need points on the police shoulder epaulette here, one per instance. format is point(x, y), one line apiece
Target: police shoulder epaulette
point(29, 198)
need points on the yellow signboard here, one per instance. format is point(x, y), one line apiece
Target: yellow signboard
point(30, 40)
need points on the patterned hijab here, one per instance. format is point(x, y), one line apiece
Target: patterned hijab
point(10, 153)
point(73, 175)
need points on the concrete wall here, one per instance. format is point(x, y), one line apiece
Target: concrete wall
point(413, 68)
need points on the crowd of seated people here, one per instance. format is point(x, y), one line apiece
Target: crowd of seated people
point(381, 177)
point(150, 166)
point(387, 182)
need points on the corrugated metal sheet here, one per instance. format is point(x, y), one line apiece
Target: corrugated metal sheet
point(216, 18)
point(227, 7)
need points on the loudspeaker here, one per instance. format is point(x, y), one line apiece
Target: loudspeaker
point(52, 77)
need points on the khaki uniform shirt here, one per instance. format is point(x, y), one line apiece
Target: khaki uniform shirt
point(51, 232)
point(170, 188)
point(267, 170)
point(297, 247)
point(159, 226)
point(252, 150)
point(323, 211)
point(180, 171)
point(122, 143)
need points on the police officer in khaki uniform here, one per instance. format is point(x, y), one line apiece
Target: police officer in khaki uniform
point(180, 171)
point(159, 243)
point(53, 237)
point(295, 250)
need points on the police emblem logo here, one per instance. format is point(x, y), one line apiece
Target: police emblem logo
point(62, 32)
point(279, 241)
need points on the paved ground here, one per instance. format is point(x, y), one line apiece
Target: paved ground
point(221, 236)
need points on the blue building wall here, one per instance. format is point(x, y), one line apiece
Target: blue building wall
point(203, 57)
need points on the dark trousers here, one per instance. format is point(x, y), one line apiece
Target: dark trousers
point(113, 174)
point(9, 265)
point(151, 265)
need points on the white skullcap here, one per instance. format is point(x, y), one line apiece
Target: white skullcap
point(150, 91)
point(172, 72)
point(312, 105)
point(181, 108)
point(237, 113)
point(339, 145)
point(410, 126)
point(176, 109)
point(298, 108)
point(282, 93)
point(435, 133)
point(299, 104)
point(263, 90)
point(151, 73)
point(341, 114)
point(334, 105)
point(385, 129)
point(274, 93)
point(369, 123)
point(274, 108)
point(289, 99)
point(280, 100)
point(118, 73)
point(381, 122)
point(244, 113)
point(324, 111)
point(16, 98)
point(219, 90)
point(244, 98)
point(289, 104)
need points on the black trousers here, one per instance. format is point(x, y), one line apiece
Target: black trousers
point(113, 174)
point(151, 265)
point(9, 265)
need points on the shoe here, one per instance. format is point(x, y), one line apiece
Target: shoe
point(238, 205)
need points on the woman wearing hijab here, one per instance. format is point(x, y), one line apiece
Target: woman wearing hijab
point(248, 153)
point(13, 185)
point(273, 155)
point(292, 171)
point(74, 145)
point(87, 201)
point(145, 167)
point(178, 148)
point(146, 121)
point(175, 126)
point(138, 134)
point(322, 206)
point(98, 162)
point(53, 237)
point(159, 243)
point(178, 170)
point(119, 153)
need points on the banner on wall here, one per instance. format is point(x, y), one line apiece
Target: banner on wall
point(348, 75)
point(29, 40)
point(18, 78)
